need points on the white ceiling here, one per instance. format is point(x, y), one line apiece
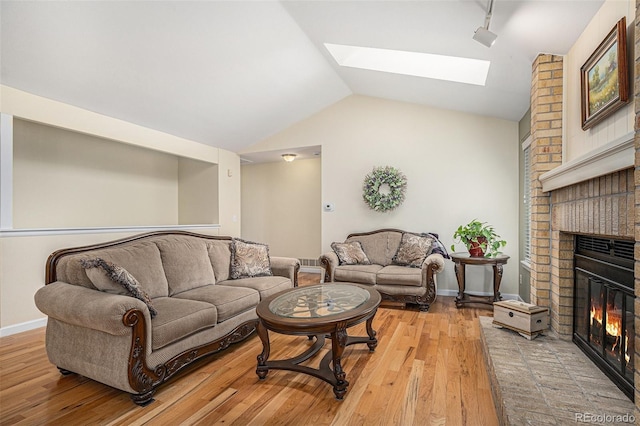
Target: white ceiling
point(231, 73)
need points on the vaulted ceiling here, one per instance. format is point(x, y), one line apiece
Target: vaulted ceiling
point(231, 73)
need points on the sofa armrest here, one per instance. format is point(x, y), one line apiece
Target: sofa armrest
point(329, 262)
point(88, 308)
point(286, 267)
point(433, 264)
point(435, 259)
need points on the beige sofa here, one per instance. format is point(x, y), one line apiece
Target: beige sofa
point(187, 307)
point(380, 265)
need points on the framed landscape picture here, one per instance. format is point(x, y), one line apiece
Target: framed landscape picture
point(604, 78)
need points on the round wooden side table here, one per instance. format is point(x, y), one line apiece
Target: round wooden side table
point(461, 260)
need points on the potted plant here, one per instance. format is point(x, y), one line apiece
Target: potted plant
point(480, 239)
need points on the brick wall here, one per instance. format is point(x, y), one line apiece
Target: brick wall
point(602, 206)
point(545, 154)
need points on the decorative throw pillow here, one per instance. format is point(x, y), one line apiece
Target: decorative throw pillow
point(111, 278)
point(437, 246)
point(249, 259)
point(350, 253)
point(413, 250)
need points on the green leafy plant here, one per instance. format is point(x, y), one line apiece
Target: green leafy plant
point(479, 234)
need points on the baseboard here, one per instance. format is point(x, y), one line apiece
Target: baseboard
point(505, 296)
point(312, 269)
point(25, 326)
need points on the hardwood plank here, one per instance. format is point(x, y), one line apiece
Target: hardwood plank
point(412, 401)
point(427, 370)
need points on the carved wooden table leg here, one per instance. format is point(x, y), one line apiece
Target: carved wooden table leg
point(497, 279)
point(338, 343)
point(459, 270)
point(373, 341)
point(262, 368)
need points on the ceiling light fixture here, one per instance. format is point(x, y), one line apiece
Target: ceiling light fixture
point(482, 34)
point(289, 157)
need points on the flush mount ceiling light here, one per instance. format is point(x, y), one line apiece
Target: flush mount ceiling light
point(289, 157)
point(441, 67)
point(482, 34)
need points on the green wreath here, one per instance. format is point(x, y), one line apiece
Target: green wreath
point(375, 181)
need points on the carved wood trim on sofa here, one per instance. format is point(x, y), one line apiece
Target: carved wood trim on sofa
point(145, 380)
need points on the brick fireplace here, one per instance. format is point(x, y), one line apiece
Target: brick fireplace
point(600, 207)
point(603, 206)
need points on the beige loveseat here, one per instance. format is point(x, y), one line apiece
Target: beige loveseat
point(187, 305)
point(393, 261)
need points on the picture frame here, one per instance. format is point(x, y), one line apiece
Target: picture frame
point(604, 77)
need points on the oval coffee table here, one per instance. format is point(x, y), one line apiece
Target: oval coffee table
point(317, 311)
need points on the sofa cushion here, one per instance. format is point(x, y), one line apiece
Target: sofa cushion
point(266, 286)
point(399, 275)
point(350, 253)
point(178, 318)
point(249, 259)
point(220, 258)
point(380, 247)
point(141, 259)
point(114, 279)
point(228, 300)
point(363, 274)
point(413, 250)
point(186, 262)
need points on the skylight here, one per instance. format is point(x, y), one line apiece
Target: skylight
point(450, 68)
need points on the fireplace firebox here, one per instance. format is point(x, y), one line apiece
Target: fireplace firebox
point(603, 319)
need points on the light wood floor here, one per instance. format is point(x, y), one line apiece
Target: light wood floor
point(428, 369)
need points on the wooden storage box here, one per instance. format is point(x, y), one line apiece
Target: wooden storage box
point(527, 319)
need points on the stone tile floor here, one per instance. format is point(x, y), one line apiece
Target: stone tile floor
point(548, 381)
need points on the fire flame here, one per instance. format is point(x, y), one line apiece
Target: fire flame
point(627, 357)
point(613, 326)
point(613, 338)
point(614, 320)
point(596, 314)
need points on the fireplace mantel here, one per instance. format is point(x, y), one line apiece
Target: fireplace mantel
point(616, 155)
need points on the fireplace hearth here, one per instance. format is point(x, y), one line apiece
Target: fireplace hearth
point(603, 325)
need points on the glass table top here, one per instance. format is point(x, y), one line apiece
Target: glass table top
point(318, 301)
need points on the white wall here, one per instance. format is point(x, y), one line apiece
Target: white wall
point(23, 253)
point(578, 142)
point(42, 110)
point(229, 193)
point(281, 207)
point(65, 179)
point(198, 192)
point(459, 167)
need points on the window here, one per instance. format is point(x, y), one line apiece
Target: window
point(449, 68)
point(526, 186)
